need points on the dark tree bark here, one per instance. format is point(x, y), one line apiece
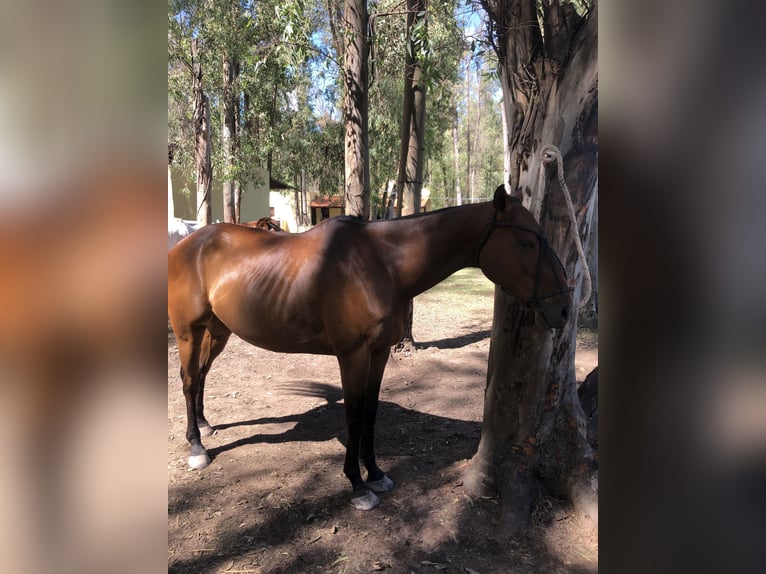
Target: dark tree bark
point(534, 434)
point(409, 180)
point(355, 109)
point(201, 118)
point(412, 150)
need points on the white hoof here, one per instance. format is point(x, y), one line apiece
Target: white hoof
point(205, 430)
point(385, 484)
point(199, 461)
point(366, 501)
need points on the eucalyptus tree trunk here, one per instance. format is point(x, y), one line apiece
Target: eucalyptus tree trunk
point(468, 147)
point(412, 149)
point(355, 109)
point(456, 151)
point(477, 139)
point(534, 433)
point(201, 119)
point(228, 137)
point(505, 113)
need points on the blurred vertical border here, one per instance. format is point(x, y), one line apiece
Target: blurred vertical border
point(682, 287)
point(82, 286)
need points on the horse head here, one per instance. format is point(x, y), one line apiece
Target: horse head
point(514, 253)
point(266, 223)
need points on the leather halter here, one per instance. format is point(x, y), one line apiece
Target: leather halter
point(543, 246)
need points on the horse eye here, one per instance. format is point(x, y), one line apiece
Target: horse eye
point(526, 243)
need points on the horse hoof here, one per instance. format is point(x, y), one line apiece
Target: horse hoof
point(205, 430)
point(385, 484)
point(365, 501)
point(199, 461)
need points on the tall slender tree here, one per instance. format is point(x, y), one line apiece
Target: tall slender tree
point(412, 150)
point(355, 109)
point(456, 159)
point(229, 135)
point(202, 148)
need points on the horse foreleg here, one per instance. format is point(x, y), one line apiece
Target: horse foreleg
point(354, 373)
point(377, 481)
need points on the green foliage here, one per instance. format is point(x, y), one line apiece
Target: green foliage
point(290, 88)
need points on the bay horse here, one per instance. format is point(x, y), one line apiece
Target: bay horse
point(273, 289)
point(266, 223)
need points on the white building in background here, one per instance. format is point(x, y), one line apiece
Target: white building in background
point(257, 199)
point(282, 207)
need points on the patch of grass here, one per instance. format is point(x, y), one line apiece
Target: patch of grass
point(465, 284)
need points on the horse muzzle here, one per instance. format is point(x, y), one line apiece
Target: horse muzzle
point(554, 313)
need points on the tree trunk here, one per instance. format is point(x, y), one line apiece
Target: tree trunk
point(475, 149)
point(456, 148)
point(246, 131)
point(355, 110)
point(305, 205)
point(406, 126)
point(412, 149)
point(534, 434)
point(505, 113)
point(468, 147)
point(412, 154)
point(228, 136)
point(237, 201)
point(203, 166)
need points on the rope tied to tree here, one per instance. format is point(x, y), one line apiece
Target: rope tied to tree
point(549, 154)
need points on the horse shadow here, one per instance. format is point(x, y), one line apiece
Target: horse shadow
point(456, 342)
point(399, 431)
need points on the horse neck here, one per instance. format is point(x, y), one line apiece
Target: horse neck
point(427, 249)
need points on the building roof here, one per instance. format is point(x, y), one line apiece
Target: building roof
point(332, 201)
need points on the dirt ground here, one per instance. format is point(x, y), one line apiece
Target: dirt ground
point(275, 500)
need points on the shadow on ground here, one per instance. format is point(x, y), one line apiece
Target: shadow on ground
point(303, 524)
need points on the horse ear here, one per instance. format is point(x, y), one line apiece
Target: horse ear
point(501, 199)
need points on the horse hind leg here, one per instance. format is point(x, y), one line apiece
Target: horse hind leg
point(189, 342)
point(214, 341)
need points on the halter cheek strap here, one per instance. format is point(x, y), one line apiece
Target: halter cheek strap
point(485, 236)
point(544, 246)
